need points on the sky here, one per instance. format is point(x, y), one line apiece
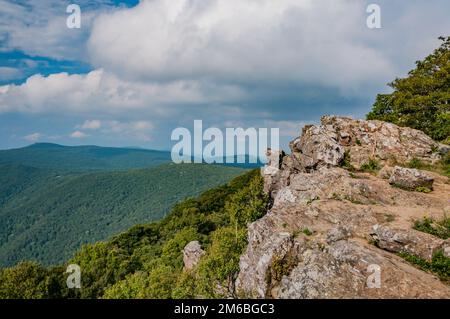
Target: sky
point(137, 70)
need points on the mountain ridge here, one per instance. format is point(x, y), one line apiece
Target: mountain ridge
point(83, 158)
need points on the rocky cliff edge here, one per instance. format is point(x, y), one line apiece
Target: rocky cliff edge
point(343, 206)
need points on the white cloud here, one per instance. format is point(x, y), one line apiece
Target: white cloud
point(100, 92)
point(78, 134)
point(291, 41)
point(135, 129)
point(90, 125)
point(39, 27)
point(141, 130)
point(34, 137)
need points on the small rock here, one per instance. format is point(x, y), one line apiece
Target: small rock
point(443, 149)
point(338, 233)
point(385, 172)
point(274, 159)
point(446, 248)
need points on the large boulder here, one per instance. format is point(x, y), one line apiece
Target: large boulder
point(407, 241)
point(271, 171)
point(192, 253)
point(410, 178)
point(318, 146)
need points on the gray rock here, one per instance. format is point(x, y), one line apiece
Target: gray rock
point(192, 253)
point(255, 263)
point(410, 178)
point(444, 149)
point(410, 241)
point(318, 147)
point(338, 233)
point(446, 248)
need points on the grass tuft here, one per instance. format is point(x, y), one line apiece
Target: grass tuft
point(439, 264)
point(440, 228)
point(371, 166)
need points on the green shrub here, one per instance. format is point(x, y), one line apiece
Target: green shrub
point(415, 163)
point(439, 264)
point(346, 161)
point(422, 189)
point(421, 100)
point(371, 166)
point(440, 228)
point(280, 266)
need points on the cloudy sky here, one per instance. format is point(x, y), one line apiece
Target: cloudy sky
point(136, 70)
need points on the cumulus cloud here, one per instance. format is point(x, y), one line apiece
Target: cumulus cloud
point(287, 41)
point(78, 134)
point(102, 92)
point(38, 28)
point(163, 56)
point(34, 137)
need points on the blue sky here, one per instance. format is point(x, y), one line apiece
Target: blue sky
point(135, 71)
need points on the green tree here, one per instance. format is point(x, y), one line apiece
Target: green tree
point(147, 261)
point(102, 265)
point(27, 280)
point(156, 284)
point(220, 266)
point(421, 100)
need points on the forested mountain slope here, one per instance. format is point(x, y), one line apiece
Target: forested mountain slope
point(46, 215)
point(146, 261)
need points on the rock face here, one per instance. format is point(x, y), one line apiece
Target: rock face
point(333, 233)
point(318, 146)
point(325, 144)
point(410, 178)
point(192, 253)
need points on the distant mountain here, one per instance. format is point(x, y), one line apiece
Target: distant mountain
point(46, 214)
point(92, 158)
point(83, 158)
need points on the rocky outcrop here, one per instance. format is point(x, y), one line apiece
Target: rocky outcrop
point(333, 231)
point(326, 144)
point(410, 178)
point(318, 146)
point(192, 253)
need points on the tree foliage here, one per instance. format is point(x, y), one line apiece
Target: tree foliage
point(421, 100)
point(47, 215)
point(146, 261)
